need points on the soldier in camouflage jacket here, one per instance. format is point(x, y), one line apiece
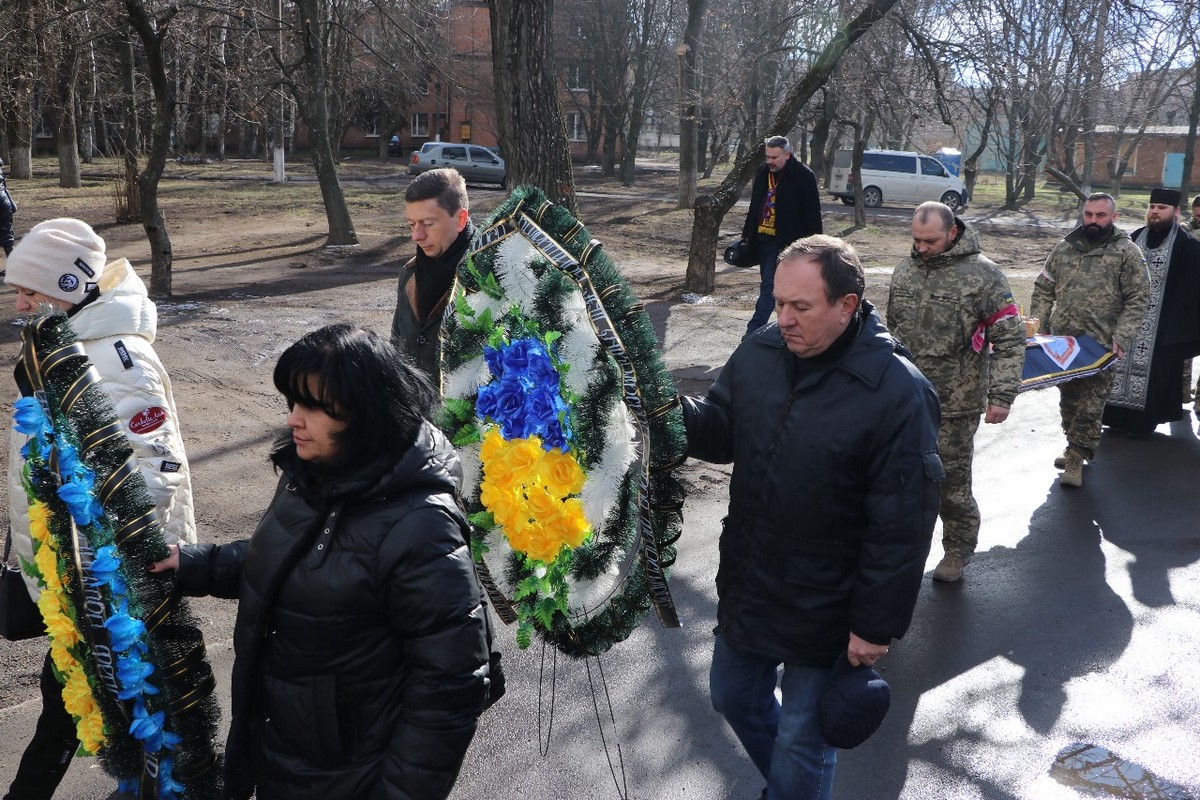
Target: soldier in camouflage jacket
point(1096, 283)
point(953, 308)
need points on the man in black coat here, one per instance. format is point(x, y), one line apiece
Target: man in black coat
point(7, 208)
point(833, 437)
point(438, 212)
point(1146, 388)
point(785, 205)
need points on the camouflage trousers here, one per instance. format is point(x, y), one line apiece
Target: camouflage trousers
point(1081, 405)
point(959, 511)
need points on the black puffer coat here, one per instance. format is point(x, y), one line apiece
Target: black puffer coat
point(361, 647)
point(833, 497)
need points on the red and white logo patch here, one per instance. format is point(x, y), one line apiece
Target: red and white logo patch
point(148, 419)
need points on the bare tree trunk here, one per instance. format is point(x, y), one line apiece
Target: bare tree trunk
point(20, 144)
point(709, 211)
point(69, 176)
point(529, 114)
point(689, 115)
point(316, 116)
point(152, 32)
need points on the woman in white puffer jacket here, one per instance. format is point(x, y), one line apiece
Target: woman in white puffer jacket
point(61, 264)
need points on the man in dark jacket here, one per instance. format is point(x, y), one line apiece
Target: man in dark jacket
point(7, 208)
point(833, 436)
point(438, 213)
point(784, 206)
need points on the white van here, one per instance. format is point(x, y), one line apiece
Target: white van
point(897, 176)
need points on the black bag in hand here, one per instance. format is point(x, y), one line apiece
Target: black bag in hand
point(19, 615)
point(741, 254)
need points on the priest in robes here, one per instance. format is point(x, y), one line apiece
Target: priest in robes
point(1146, 388)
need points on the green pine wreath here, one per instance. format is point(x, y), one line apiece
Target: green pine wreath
point(123, 643)
point(568, 427)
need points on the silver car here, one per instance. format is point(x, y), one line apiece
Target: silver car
point(476, 164)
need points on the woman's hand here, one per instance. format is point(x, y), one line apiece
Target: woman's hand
point(171, 562)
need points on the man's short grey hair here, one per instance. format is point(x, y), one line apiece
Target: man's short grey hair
point(841, 268)
point(778, 141)
point(932, 208)
point(1096, 197)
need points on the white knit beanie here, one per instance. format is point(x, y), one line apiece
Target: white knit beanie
point(62, 258)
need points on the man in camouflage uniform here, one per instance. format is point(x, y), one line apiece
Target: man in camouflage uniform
point(1096, 283)
point(947, 304)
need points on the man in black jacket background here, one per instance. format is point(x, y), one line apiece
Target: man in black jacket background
point(785, 205)
point(833, 437)
point(7, 208)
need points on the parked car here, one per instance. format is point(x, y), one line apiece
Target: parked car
point(394, 146)
point(897, 176)
point(477, 164)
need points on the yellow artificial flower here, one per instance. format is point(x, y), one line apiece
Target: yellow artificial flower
point(574, 525)
point(60, 627)
point(542, 505)
point(543, 545)
point(64, 662)
point(493, 445)
point(77, 695)
point(498, 473)
point(47, 564)
point(39, 524)
point(523, 456)
point(90, 730)
point(561, 473)
point(502, 502)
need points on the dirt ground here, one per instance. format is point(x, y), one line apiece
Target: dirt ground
point(251, 276)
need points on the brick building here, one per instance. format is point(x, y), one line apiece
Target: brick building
point(1157, 160)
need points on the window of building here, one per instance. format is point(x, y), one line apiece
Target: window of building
point(576, 130)
point(577, 78)
point(419, 124)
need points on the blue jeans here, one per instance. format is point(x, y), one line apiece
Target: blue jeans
point(784, 742)
point(768, 257)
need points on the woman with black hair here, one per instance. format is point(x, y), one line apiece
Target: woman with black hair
point(361, 642)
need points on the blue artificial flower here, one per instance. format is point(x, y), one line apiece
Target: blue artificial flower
point(106, 569)
point(28, 417)
point(82, 504)
point(542, 406)
point(124, 629)
point(516, 357)
point(555, 435)
point(541, 369)
point(132, 672)
point(494, 358)
point(168, 787)
point(69, 465)
point(147, 728)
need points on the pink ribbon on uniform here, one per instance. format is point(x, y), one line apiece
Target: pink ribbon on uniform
point(1008, 312)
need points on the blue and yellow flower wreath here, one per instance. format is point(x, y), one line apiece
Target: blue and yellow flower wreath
point(568, 428)
point(127, 651)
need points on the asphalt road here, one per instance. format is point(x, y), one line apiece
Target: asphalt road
point(1078, 621)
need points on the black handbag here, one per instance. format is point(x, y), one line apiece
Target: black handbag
point(740, 254)
point(19, 615)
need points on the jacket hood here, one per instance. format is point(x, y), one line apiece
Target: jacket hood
point(966, 245)
point(122, 309)
point(430, 464)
